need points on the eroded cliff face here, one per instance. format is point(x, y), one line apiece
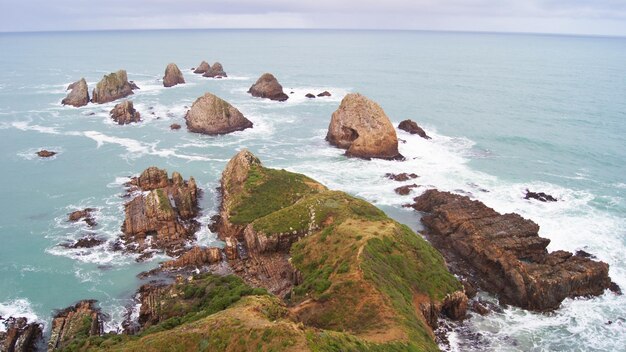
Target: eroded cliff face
point(20, 335)
point(77, 322)
point(504, 255)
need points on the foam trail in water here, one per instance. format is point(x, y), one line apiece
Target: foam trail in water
point(17, 308)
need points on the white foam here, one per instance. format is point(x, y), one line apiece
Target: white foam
point(299, 96)
point(25, 126)
point(17, 308)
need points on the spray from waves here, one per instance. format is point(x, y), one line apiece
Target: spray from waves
point(298, 96)
point(17, 308)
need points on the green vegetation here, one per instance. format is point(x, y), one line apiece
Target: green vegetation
point(164, 202)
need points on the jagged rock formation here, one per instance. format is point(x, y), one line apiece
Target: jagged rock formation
point(79, 95)
point(125, 113)
point(162, 217)
point(173, 76)
point(412, 127)
point(88, 241)
point(45, 153)
point(267, 86)
point(401, 177)
point(504, 255)
point(362, 127)
point(540, 196)
point(202, 68)
point(79, 321)
point(85, 215)
point(212, 115)
point(20, 335)
point(196, 257)
point(215, 71)
point(112, 87)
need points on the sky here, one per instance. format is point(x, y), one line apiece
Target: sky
point(592, 17)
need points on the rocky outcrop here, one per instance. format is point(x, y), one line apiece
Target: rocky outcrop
point(20, 335)
point(175, 126)
point(405, 190)
point(125, 113)
point(310, 96)
point(504, 255)
point(215, 71)
point(173, 76)
point(80, 320)
point(197, 257)
point(324, 94)
point(540, 196)
point(401, 177)
point(112, 87)
point(267, 86)
point(88, 241)
point(362, 127)
point(45, 153)
point(212, 115)
point(412, 127)
point(162, 216)
point(85, 215)
point(202, 68)
point(79, 94)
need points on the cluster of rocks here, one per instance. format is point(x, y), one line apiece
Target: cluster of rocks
point(504, 255)
point(214, 71)
point(540, 196)
point(322, 94)
point(112, 87)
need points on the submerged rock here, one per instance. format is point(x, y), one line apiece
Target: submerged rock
point(81, 320)
point(215, 71)
point(310, 96)
point(79, 95)
point(46, 153)
point(112, 87)
point(362, 127)
point(212, 115)
point(20, 335)
point(504, 255)
point(540, 196)
point(401, 177)
point(173, 76)
point(125, 113)
point(324, 94)
point(267, 86)
point(412, 127)
point(202, 68)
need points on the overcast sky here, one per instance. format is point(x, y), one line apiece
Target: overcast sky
point(603, 17)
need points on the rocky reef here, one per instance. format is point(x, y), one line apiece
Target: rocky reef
point(112, 87)
point(172, 76)
point(20, 335)
point(412, 127)
point(46, 153)
point(212, 115)
point(267, 86)
point(125, 113)
point(361, 127)
point(215, 71)
point(504, 255)
point(162, 216)
point(78, 95)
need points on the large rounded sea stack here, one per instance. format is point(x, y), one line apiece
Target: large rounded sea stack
point(362, 127)
point(112, 87)
point(173, 76)
point(79, 94)
point(210, 114)
point(267, 86)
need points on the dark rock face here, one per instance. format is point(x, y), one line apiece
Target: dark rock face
point(202, 68)
point(267, 86)
point(412, 127)
point(46, 153)
point(20, 335)
point(163, 216)
point(88, 241)
point(215, 71)
point(112, 87)
point(212, 115)
point(405, 190)
point(125, 113)
point(175, 126)
point(82, 319)
point(324, 94)
point(401, 177)
point(540, 196)
point(79, 95)
point(173, 76)
point(84, 215)
point(310, 96)
point(504, 254)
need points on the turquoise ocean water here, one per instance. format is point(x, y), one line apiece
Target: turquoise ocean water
point(506, 113)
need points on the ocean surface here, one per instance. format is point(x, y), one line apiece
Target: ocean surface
point(506, 113)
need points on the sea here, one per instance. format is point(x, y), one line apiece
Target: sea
point(506, 113)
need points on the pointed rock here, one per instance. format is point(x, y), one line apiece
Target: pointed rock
point(173, 76)
point(79, 95)
point(215, 71)
point(267, 86)
point(202, 68)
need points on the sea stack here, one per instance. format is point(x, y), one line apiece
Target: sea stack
point(215, 71)
point(212, 115)
point(267, 86)
point(362, 128)
point(202, 68)
point(79, 95)
point(124, 113)
point(413, 128)
point(112, 87)
point(173, 76)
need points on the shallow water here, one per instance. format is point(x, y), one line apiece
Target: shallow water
point(506, 113)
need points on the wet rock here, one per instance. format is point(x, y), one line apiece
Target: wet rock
point(85, 215)
point(405, 190)
point(215, 71)
point(112, 87)
point(45, 153)
point(504, 255)
point(613, 287)
point(310, 96)
point(324, 94)
point(175, 126)
point(173, 76)
point(88, 241)
point(584, 254)
point(81, 320)
point(362, 127)
point(479, 308)
point(125, 113)
point(202, 68)
point(267, 86)
point(412, 127)
point(401, 177)
point(540, 196)
point(196, 257)
point(79, 95)
point(212, 115)
point(20, 335)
